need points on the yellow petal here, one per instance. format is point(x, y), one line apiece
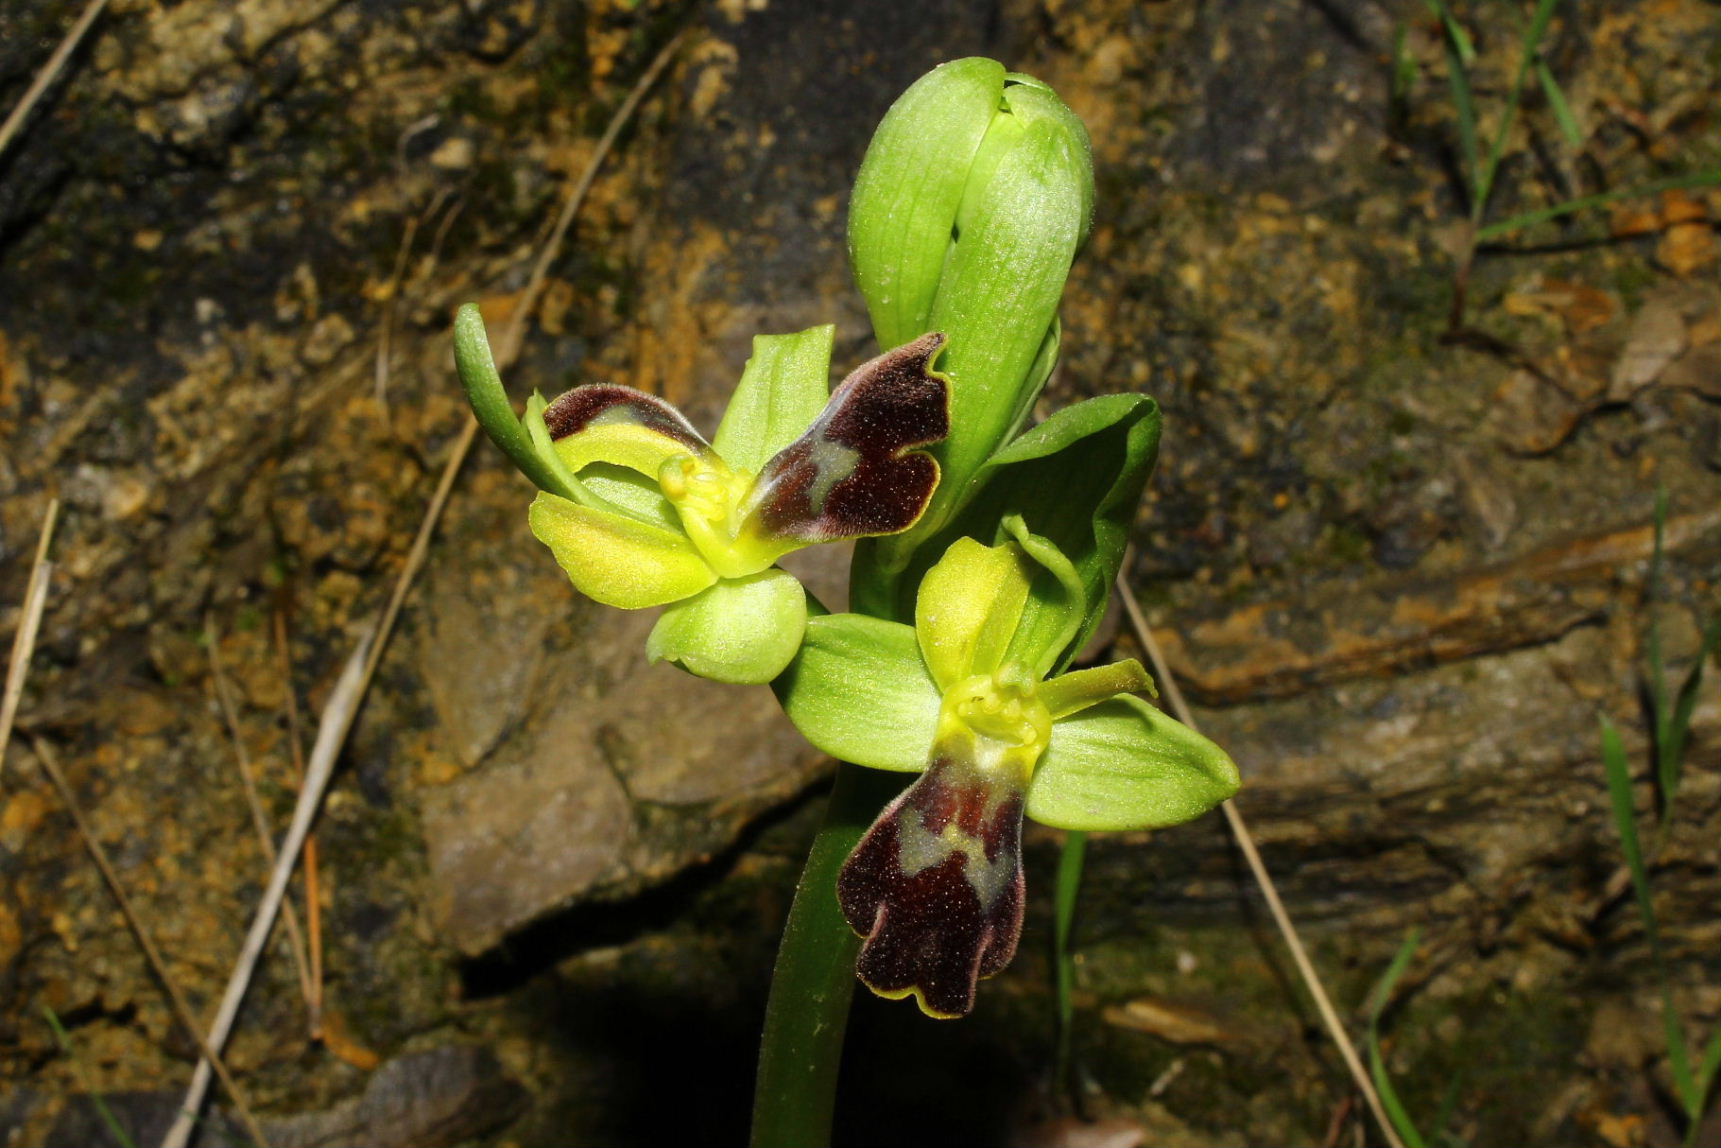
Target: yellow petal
point(617, 560)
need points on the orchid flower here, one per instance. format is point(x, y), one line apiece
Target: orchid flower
point(935, 887)
point(640, 510)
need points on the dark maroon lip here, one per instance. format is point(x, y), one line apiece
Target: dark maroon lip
point(935, 919)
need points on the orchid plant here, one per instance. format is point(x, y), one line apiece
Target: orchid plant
point(988, 553)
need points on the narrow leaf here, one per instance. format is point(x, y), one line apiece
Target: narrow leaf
point(1558, 105)
point(1707, 178)
point(1514, 95)
point(1625, 820)
point(1377, 1002)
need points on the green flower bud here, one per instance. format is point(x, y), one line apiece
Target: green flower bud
point(971, 203)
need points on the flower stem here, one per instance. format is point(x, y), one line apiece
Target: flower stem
point(808, 1010)
point(1064, 965)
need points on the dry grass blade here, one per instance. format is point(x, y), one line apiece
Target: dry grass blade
point(313, 882)
point(15, 122)
point(338, 714)
point(29, 624)
point(51, 766)
point(1246, 842)
point(259, 818)
point(343, 703)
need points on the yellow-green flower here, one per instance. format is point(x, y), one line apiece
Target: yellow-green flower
point(640, 510)
point(935, 886)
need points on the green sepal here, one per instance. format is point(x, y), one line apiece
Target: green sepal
point(489, 402)
point(968, 609)
point(615, 559)
point(783, 388)
point(859, 691)
point(1125, 765)
point(909, 189)
point(739, 630)
point(1056, 604)
point(1076, 480)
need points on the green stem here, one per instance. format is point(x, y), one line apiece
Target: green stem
point(808, 1010)
point(1069, 887)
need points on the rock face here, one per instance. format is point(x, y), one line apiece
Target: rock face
point(1399, 563)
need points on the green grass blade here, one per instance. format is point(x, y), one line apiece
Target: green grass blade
point(1455, 32)
point(1706, 1071)
point(1678, 1059)
point(1679, 721)
point(1377, 1002)
point(1459, 53)
point(1558, 105)
point(1709, 177)
point(115, 1128)
point(1625, 820)
point(1531, 46)
point(1403, 66)
point(1070, 863)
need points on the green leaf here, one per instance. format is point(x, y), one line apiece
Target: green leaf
point(1460, 39)
point(968, 609)
point(617, 560)
point(490, 403)
point(1706, 1070)
point(1459, 55)
point(1125, 765)
point(1678, 725)
point(909, 188)
point(740, 630)
point(782, 390)
point(1625, 820)
point(859, 691)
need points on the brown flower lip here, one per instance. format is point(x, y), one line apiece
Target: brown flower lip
point(935, 886)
